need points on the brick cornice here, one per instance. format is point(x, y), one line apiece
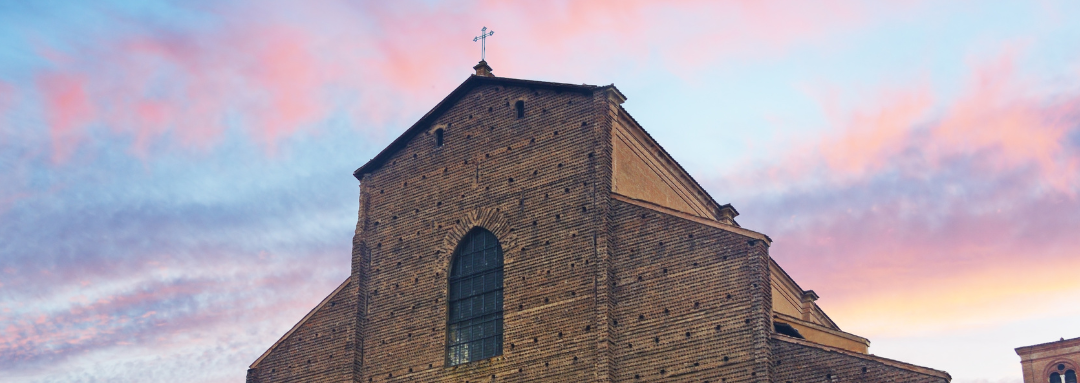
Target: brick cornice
point(1027, 350)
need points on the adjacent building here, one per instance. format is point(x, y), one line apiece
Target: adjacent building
point(1054, 362)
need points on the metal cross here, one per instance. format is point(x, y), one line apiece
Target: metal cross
point(483, 41)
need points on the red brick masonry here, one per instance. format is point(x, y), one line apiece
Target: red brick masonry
point(598, 287)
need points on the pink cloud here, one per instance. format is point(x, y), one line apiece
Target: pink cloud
point(895, 262)
point(163, 313)
point(7, 97)
point(280, 70)
point(69, 109)
point(292, 82)
point(189, 88)
point(147, 86)
point(920, 213)
point(998, 120)
point(871, 138)
point(687, 37)
point(887, 274)
point(1022, 131)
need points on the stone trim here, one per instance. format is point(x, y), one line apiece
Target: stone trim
point(679, 214)
point(1047, 346)
point(815, 326)
point(666, 168)
point(1052, 367)
point(490, 219)
point(808, 308)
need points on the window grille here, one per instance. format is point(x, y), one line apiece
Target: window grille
point(475, 305)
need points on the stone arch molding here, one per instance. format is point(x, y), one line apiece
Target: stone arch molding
point(491, 219)
point(1052, 367)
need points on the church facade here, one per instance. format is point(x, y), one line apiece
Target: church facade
point(532, 231)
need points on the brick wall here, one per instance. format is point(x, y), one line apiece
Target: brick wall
point(1041, 360)
point(320, 349)
point(536, 183)
point(798, 361)
point(692, 300)
point(542, 185)
point(598, 287)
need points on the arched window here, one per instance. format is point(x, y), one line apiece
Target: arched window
point(474, 326)
point(1055, 377)
point(1070, 376)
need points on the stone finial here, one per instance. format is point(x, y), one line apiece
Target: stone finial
point(614, 95)
point(482, 69)
point(808, 298)
point(726, 214)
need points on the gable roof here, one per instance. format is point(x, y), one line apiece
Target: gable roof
point(472, 82)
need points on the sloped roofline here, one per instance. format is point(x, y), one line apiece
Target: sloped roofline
point(472, 82)
point(869, 357)
point(690, 217)
point(669, 157)
point(301, 322)
point(786, 276)
point(1048, 345)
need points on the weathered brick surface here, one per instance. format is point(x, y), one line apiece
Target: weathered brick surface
point(598, 287)
point(533, 182)
point(797, 362)
point(320, 350)
point(689, 299)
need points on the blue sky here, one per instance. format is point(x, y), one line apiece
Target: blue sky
point(177, 186)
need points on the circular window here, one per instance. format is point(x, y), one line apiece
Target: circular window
point(1061, 367)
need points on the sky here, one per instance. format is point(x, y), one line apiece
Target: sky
point(176, 188)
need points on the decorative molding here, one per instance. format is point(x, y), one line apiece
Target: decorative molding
point(691, 217)
point(664, 165)
point(870, 357)
point(784, 318)
point(491, 219)
point(1052, 368)
point(642, 147)
point(1048, 346)
point(784, 285)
